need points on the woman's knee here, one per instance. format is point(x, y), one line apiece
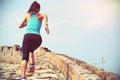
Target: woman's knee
point(25, 56)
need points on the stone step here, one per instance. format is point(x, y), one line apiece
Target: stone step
point(12, 72)
point(48, 75)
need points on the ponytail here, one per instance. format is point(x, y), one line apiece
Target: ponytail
point(34, 7)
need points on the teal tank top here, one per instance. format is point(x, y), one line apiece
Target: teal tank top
point(33, 25)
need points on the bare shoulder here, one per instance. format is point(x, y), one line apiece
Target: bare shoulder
point(43, 15)
point(28, 16)
point(39, 15)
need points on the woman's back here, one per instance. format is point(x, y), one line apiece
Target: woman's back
point(33, 24)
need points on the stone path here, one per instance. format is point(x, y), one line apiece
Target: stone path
point(42, 72)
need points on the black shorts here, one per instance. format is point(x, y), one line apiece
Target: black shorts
point(30, 43)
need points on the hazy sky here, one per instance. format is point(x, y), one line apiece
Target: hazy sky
point(84, 29)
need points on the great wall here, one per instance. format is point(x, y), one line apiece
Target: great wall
point(49, 66)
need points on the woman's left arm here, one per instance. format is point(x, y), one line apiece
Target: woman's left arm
point(24, 23)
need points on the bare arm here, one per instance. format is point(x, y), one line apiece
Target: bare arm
point(46, 23)
point(24, 23)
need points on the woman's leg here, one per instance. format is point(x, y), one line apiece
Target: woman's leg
point(24, 64)
point(32, 62)
point(23, 68)
point(25, 55)
point(31, 57)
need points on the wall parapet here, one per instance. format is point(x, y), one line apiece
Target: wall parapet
point(71, 68)
point(10, 54)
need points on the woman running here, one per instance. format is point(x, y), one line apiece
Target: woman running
point(32, 38)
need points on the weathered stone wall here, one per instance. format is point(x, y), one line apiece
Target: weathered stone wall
point(10, 54)
point(72, 69)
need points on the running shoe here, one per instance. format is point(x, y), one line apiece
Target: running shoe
point(32, 69)
point(22, 78)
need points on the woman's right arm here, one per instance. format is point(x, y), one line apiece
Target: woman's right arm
point(46, 23)
point(24, 23)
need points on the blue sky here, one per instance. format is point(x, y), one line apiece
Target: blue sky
point(84, 29)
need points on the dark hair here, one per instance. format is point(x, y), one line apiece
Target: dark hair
point(35, 6)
